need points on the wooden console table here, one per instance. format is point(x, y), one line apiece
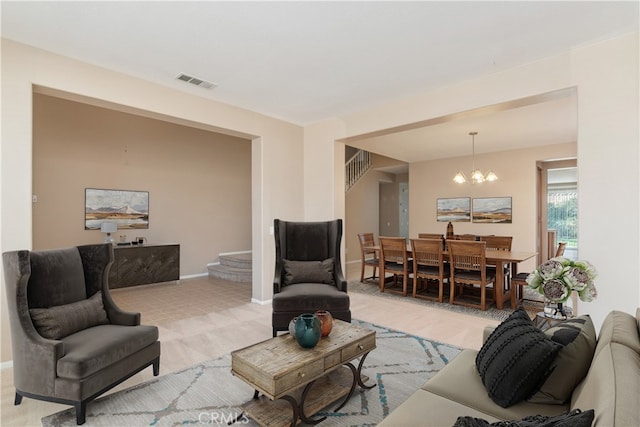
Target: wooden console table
point(144, 264)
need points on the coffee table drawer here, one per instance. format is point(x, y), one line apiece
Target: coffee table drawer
point(365, 345)
point(332, 360)
point(299, 376)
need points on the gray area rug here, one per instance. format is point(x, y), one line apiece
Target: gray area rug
point(207, 394)
point(532, 302)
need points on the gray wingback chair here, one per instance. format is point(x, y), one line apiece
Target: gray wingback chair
point(308, 273)
point(70, 341)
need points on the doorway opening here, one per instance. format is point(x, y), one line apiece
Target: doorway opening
point(558, 207)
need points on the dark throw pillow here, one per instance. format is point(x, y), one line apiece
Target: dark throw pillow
point(578, 339)
point(62, 320)
point(575, 418)
point(515, 359)
point(308, 271)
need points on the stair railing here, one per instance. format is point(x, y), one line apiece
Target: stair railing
point(356, 167)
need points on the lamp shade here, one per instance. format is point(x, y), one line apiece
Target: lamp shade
point(109, 227)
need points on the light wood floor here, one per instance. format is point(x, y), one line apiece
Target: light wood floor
point(204, 318)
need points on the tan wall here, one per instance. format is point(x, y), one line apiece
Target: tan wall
point(606, 77)
point(199, 182)
point(516, 170)
point(277, 147)
point(362, 207)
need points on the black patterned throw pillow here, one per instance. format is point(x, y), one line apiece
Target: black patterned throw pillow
point(514, 361)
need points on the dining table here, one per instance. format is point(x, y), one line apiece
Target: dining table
point(499, 258)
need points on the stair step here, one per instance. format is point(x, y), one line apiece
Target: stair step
point(243, 260)
point(233, 274)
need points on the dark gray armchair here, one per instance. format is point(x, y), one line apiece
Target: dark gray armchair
point(308, 274)
point(70, 341)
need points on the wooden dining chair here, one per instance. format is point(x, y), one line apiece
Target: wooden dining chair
point(369, 256)
point(430, 236)
point(519, 281)
point(471, 237)
point(469, 270)
point(561, 248)
point(395, 260)
point(428, 264)
point(499, 243)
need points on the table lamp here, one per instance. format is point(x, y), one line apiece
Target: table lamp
point(109, 227)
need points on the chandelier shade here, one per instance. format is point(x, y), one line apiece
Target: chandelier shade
point(477, 176)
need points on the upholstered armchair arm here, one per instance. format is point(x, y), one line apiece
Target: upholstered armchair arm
point(116, 315)
point(338, 276)
point(341, 283)
point(34, 358)
point(96, 263)
point(277, 278)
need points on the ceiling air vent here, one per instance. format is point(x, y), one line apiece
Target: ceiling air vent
point(196, 81)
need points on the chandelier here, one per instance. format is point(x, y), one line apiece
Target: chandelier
point(477, 176)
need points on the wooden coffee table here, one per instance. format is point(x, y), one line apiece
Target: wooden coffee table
point(284, 373)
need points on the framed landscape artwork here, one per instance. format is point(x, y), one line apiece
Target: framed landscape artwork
point(128, 209)
point(454, 209)
point(493, 210)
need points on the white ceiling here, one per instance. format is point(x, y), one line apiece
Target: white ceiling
point(308, 61)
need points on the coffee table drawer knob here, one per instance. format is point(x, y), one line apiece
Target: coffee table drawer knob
point(301, 374)
point(360, 347)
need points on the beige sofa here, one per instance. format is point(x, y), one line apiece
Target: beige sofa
point(611, 387)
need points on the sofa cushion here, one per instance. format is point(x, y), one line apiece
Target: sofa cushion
point(93, 349)
point(62, 320)
point(424, 408)
point(619, 327)
point(515, 359)
point(459, 381)
point(612, 385)
point(309, 297)
point(308, 271)
point(575, 418)
point(578, 339)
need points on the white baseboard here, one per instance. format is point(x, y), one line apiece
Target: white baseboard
point(257, 301)
point(191, 276)
point(234, 253)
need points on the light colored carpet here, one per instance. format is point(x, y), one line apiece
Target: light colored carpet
point(208, 394)
point(532, 302)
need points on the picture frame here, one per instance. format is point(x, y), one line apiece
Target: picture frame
point(492, 210)
point(457, 209)
point(128, 209)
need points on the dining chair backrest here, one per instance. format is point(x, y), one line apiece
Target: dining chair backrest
point(430, 236)
point(393, 249)
point(426, 252)
point(561, 247)
point(498, 243)
point(466, 237)
point(466, 255)
point(367, 241)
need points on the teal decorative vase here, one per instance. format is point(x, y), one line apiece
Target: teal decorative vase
point(308, 330)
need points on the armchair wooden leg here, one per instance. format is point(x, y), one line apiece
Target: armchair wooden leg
point(156, 367)
point(18, 399)
point(81, 412)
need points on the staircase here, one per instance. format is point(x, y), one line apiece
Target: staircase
point(356, 167)
point(232, 267)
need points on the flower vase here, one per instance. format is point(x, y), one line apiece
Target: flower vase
point(555, 310)
point(326, 321)
point(308, 330)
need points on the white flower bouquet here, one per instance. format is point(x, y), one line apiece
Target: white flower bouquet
point(558, 277)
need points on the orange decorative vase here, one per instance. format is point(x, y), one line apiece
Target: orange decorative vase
point(326, 321)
